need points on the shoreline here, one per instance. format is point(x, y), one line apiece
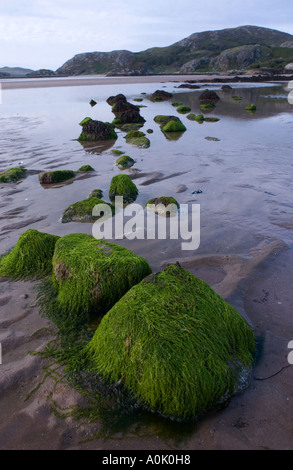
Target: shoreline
point(13, 83)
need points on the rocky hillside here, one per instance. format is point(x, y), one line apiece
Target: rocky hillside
point(242, 48)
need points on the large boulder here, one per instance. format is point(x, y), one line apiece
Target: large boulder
point(122, 185)
point(175, 344)
point(91, 275)
point(31, 257)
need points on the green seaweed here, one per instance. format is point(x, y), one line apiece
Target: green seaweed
point(160, 204)
point(85, 168)
point(117, 152)
point(12, 174)
point(31, 257)
point(122, 185)
point(56, 176)
point(174, 125)
point(85, 120)
point(196, 117)
point(206, 106)
point(96, 193)
point(137, 138)
point(124, 162)
point(82, 211)
point(175, 344)
point(90, 275)
point(211, 119)
point(250, 108)
point(160, 118)
point(183, 109)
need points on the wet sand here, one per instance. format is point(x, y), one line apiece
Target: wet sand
point(101, 80)
point(256, 278)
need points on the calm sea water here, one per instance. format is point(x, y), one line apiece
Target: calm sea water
point(244, 177)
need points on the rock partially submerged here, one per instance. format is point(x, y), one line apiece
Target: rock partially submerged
point(183, 109)
point(31, 257)
point(170, 123)
point(96, 130)
point(12, 174)
point(175, 344)
point(122, 185)
point(165, 206)
point(208, 98)
point(56, 176)
point(161, 95)
point(251, 108)
point(124, 162)
point(137, 138)
point(82, 211)
point(125, 112)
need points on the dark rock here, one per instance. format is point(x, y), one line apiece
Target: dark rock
point(208, 97)
point(161, 95)
point(97, 130)
point(226, 87)
point(113, 99)
point(125, 112)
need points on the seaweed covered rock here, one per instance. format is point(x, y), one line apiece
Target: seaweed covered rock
point(82, 211)
point(208, 97)
point(251, 108)
point(175, 344)
point(137, 138)
point(172, 124)
point(91, 275)
point(12, 174)
point(31, 257)
point(196, 117)
point(56, 176)
point(122, 185)
point(161, 95)
point(124, 162)
point(96, 130)
point(165, 205)
point(183, 109)
point(96, 193)
point(85, 169)
point(125, 112)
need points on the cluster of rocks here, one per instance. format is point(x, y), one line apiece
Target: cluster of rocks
point(125, 112)
point(173, 344)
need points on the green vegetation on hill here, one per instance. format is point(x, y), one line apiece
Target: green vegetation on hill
point(239, 48)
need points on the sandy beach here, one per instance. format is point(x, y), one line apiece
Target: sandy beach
point(248, 261)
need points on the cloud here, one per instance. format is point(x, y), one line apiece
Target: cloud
point(46, 33)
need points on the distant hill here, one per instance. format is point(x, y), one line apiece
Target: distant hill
point(14, 72)
point(241, 48)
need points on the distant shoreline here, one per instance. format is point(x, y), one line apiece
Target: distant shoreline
point(14, 83)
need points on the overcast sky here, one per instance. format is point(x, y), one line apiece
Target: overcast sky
point(46, 33)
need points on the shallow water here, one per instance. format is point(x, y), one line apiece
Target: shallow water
point(244, 178)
